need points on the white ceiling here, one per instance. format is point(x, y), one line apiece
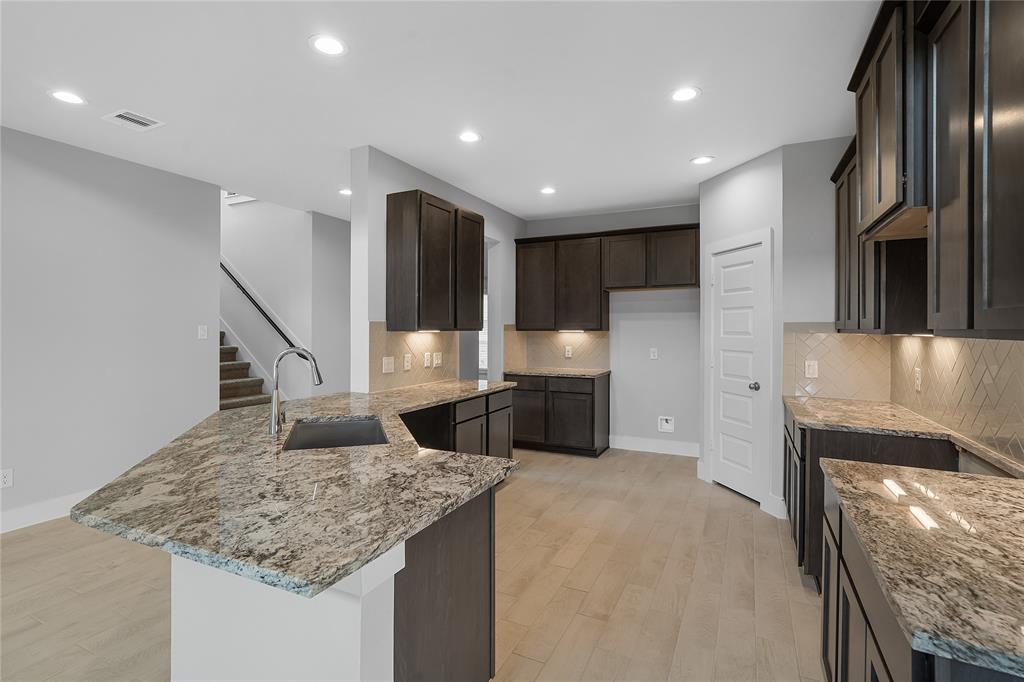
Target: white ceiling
point(575, 95)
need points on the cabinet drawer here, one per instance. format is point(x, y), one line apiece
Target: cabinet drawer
point(527, 383)
point(468, 409)
point(565, 385)
point(497, 401)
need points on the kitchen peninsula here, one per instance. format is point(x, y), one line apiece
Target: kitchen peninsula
point(369, 526)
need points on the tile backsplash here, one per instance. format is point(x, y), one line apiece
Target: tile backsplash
point(590, 350)
point(397, 344)
point(973, 386)
point(849, 365)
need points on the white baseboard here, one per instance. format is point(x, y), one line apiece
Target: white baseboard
point(667, 447)
point(44, 510)
point(776, 506)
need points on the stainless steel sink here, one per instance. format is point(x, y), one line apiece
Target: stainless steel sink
point(341, 433)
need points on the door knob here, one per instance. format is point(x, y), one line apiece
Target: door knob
point(754, 386)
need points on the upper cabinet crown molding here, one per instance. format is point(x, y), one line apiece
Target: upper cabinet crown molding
point(435, 254)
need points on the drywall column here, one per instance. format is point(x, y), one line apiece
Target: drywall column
point(331, 294)
point(359, 275)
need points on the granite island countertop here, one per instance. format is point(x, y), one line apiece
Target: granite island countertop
point(559, 372)
point(226, 495)
point(888, 418)
point(957, 590)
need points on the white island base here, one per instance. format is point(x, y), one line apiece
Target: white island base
point(224, 626)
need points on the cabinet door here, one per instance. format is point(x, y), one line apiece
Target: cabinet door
point(571, 419)
point(625, 261)
point(842, 257)
point(829, 603)
point(876, 670)
point(499, 433)
point(471, 436)
point(469, 271)
point(851, 651)
point(949, 211)
point(530, 410)
point(797, 489)
point(868, 284)
point(672, 258)
point(437, 263)
point(867, 150)
point(535, 286)
point(887, 68)
point(580, 302)
point(998, 159)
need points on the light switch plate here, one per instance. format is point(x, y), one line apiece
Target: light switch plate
point(6, 478)
point(568, 351)
point(426, 359)
point(917, 379)
point(654, 354)
point(810, 369)
point(203, 332)
point(437, 358)
point(407, 362)
point(389, 365)
point(667, 424)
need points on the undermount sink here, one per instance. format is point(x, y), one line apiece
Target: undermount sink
point(307, 435)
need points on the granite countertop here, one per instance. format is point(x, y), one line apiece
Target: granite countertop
point(226, 495)
point(887, 418)
point(559, 372)
point(957, 590)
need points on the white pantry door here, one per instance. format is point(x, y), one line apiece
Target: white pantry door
point(740, 382)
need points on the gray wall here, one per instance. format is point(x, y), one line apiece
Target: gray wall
point(331, 296)
point(107, 269)
point(643, 389)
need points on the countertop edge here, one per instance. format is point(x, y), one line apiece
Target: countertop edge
point(568, 372)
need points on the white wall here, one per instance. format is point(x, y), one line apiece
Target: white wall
point(331, 300)
point(374, 176)
point(107, 269)
point(647, 217)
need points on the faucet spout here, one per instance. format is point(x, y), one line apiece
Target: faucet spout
point(276, 415)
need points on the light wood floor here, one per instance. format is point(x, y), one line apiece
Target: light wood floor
point(624, 567)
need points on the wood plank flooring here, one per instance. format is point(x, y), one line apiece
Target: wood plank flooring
point(626, 567)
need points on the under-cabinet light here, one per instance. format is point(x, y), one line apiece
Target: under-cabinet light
point(570, 331)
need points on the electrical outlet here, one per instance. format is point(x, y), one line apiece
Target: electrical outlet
point(654, 354)
point(568, 351)
point(6, 478)
point(437, 358)
point(810, 369)
point(407, 362)
point(667, 424)
point(389, 365)
point(917, 379)
point(426, 359)
point(203, 332)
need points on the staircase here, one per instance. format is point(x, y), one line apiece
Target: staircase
point(237, 388)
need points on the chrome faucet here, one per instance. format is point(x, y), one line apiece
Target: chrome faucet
point(276, 415)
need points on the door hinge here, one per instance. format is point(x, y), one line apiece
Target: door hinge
point(904, 179)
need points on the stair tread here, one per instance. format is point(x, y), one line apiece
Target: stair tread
point(229, 348)
point(245, 381)
point(234, 364)
point(244, 401)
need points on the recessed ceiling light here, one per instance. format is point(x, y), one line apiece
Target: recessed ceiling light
point(701, 160)
point(69, 97)
point(547, 190)
point(469, 136)
point(327, 44)
point(686, 94)
point(347, 192)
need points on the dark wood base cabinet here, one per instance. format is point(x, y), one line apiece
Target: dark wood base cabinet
point(478, 426)
point(561, 414)
point(444, 598)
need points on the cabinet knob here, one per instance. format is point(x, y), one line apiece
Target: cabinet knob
point(754, 386)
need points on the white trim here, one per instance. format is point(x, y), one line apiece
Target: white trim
point(263, 304)
point(776, 506)
point(44, 510)
point(666, 447)
point(250, 357)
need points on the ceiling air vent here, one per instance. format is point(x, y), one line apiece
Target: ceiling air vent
point(133, 120)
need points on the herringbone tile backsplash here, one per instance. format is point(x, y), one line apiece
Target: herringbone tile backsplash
point(397, 344)
point(590, 350)
point(973, 386)
point(849, 365)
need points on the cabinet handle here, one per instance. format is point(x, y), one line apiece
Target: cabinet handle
point(483, 441)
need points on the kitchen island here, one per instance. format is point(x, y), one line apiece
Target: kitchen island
point(322, 543)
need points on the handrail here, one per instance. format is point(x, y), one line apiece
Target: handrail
point(257, 305)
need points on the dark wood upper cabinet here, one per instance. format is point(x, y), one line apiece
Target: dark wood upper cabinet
point(580, 300)
point(672, 258)
point(469, 275)
point(434, 264)
point(848, 243)
point(888, 84)
point(535, 285)
point(949, 172)
point(998, 163)
point(625, 261)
